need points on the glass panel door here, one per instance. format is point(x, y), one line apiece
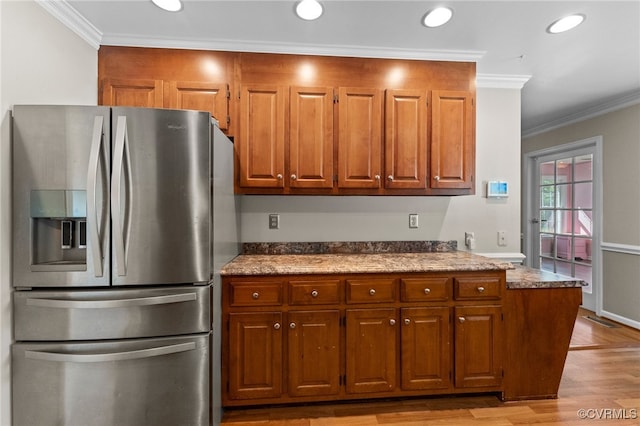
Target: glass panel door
point(565, 215)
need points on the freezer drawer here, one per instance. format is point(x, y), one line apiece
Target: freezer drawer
point(153, 382)
point(111, 314)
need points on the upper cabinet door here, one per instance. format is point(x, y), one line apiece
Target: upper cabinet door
point(311, 137)
point(452, 140)
point(199, 96)
point(360, 138)
point(134, 93)
point(406, 139)
point(262, 136)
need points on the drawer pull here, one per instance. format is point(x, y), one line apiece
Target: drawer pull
point(407, 321)
point(292, 325)
point(372, 292)
point(427, 290)
point(276, 326)
point(461, 319)
point(314, 293)
point(392, 322)
point(255, 295)
point(480, 289)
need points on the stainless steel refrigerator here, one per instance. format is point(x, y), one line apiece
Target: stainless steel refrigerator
point(121, 219)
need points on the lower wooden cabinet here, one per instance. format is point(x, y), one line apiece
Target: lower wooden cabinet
point(325, 338)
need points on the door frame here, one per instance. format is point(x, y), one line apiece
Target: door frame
point(528, 206)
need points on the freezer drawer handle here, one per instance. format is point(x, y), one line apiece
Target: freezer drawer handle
point(92, 203)
point(114, 356)
point(117, 303)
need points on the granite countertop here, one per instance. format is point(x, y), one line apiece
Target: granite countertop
point(265, 264)
point(523, 277)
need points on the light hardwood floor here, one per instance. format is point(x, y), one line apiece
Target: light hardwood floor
point(601, 375)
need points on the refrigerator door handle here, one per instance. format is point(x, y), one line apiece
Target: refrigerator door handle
point(109, 357)
point(120, 223)
point(92, 204)
point(110, 304)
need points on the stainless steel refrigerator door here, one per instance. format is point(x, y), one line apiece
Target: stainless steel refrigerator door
point(160, 196)
point(111, 314)
point(150, 382)
point(60, 178)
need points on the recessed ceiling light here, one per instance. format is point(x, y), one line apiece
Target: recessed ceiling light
point(309, 10)
point(168, 5)
point(565, 24)
point(437, 17)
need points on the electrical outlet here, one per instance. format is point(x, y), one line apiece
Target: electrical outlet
point(413, 220)
point(502, 238)
point(274, 221)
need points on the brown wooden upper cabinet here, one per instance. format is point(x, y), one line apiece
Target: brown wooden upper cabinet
point(201, 96)
point(452, 140)
point(348, 140)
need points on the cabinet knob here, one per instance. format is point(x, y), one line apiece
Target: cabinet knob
point(372, 292)
point(276, 326)
point(377, 177)
point(461, 319)
point(480, 289)
point(436, 178)
point(279, 176)
point(292, 325)
point(294, 177)
point(390, 178)
point(255, 295)
point(427, 290)
point(392, 322)
point(407, 321)
point(314, 293)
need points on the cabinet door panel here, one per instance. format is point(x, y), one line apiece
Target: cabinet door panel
point(371, 350)
point(425, 348)
point(200, 96)
point(262, 135)
point(360, 138)
point(478, 346)
point(255, 355)
point(314, 353)
point(452, 140)
point(406, 139)
point(311, 137)
point(133, 93)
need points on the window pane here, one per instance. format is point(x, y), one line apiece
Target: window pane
point(546, 245)
point(547, 196)
point(582, 250)
point(564, 222)
point(583, 223)
point(583, 168)
point(583, 195)
point(584, 273)
point(564, 170)
point(563, 247)
point(563, 200)
point(546, 173)
point(547, 221)
point(563, 268)
point(546, 264)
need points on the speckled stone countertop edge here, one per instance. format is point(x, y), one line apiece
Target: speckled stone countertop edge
point(523, 277)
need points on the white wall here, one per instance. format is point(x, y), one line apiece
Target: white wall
point(41, 62)
point(337, 218)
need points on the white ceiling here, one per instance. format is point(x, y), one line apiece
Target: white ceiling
point(568, 76)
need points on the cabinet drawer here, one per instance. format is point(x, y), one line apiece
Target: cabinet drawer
point(256, 293)
point(314, 292)
point(371, 291)
point(477, 288)
point(425, 289)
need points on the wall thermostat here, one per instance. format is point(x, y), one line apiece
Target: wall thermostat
point(497, 189)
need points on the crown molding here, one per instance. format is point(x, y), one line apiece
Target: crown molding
point(501, 81)
point(611, 105)
point(73, 20)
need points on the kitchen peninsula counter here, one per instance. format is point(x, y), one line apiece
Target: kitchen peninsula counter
point(519, 319)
